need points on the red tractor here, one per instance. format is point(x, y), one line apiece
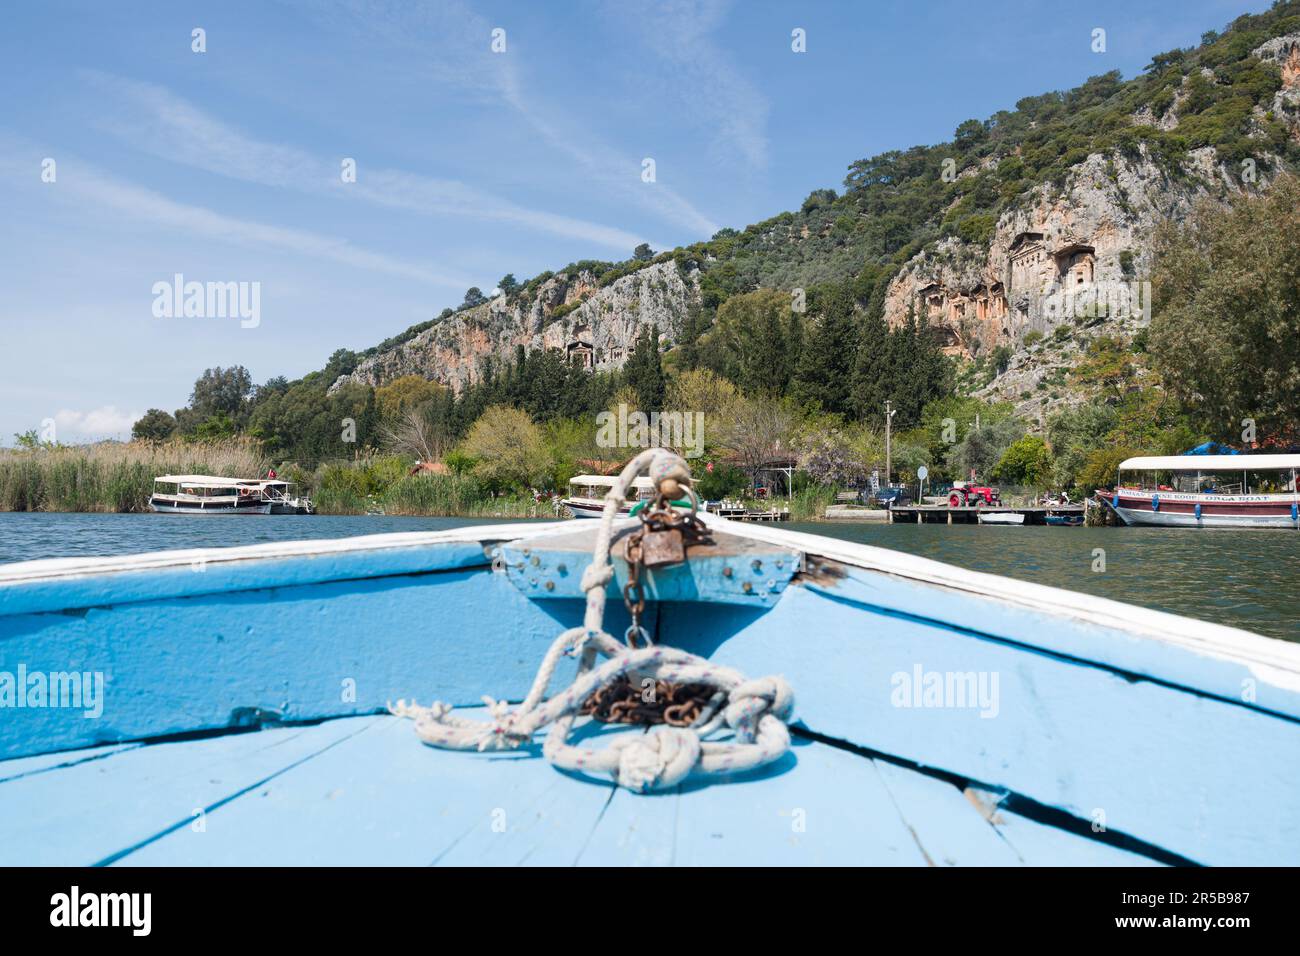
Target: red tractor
point(965, 495)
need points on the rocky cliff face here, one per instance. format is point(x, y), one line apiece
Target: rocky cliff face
point(1063, 259)
point(1071, 259)
point(1057, 251)
point(568, 313)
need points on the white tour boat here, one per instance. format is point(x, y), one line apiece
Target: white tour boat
point(587, 495)
point(213, 495)
point(1209, 491)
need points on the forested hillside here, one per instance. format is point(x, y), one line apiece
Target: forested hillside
point(901, 285)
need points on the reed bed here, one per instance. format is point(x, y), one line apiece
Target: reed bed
point(452, 495)
point(810, 503)
point(448, 496)
point(112, 476)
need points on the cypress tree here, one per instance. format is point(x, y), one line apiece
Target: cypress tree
point(765, 360)
point(873, 373)
point(825, 370)
point(793, 344)
point(645, 373)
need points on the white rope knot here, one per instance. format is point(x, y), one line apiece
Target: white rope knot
point(657, 760)
point(435, 711)
point(500, 733)
point(756, 711)
point(749, 702)
point(665, 464)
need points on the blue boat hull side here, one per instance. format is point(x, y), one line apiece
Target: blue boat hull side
point(1174, 732)
point(293, 639)
point(290, 654)
point(1212, 780)
point(60, 584)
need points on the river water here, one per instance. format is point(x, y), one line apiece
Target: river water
point(1247, 579)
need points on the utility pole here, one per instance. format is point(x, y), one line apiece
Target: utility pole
point(889, 461)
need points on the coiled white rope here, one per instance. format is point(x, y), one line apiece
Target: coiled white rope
point(755, 711)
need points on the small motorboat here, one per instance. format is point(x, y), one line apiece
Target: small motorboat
point(285, 499)
point(1064, 521)
point(1001, 517)
point(810, 701)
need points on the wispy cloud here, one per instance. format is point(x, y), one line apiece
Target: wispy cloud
point(83, 183)
point(680, 32)
point(461, 37)
point(617, 173)
point(159, 122)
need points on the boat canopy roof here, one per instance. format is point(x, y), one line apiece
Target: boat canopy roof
point(214, 481)
point(209, 481)
point(607, 481)
point(1210, 463)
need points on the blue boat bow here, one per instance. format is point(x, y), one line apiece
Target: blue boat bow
point(943, 715)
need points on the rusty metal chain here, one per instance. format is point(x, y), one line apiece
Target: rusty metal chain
point(662, 539)
point(623, 702)
point(659, 524)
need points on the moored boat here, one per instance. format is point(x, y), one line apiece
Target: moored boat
point(214, 495)
point(587, 495)
point(1001, 517)
point(1208, 491)
point(1064, 521)
point(881, 708)
point(285, 499)
point(207, 495)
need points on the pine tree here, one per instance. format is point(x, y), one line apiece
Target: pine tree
point(905, 376)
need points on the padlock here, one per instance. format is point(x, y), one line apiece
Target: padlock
point(659, 548)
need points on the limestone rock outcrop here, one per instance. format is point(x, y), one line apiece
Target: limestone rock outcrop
point(568, 313)
point(1058, 250)
point(1066, 257)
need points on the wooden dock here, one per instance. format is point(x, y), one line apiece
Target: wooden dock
point(943, 514)
point(737, 511)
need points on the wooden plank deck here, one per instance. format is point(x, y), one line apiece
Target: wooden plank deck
point(364, 790)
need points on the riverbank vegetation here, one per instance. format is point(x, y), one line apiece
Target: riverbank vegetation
point(787, 355)
point(789, 405)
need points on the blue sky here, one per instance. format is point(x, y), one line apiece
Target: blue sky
point(224, 166)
